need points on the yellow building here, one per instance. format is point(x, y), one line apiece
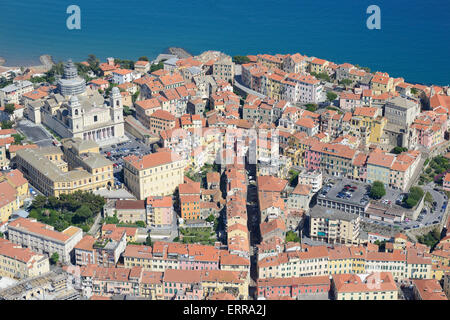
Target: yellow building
point(438, 271)
point(48, 171)
point(375, 286)
point(18, 182)
point(340, 260)
point(270, 61)
point(382, 83)
point(367, 124)
point(400, 241)
point(318, 65)
point(418, 266)
point(17, 262)
point(214, 281)
point(4, 162)
point(156, 174)
point(8, 201)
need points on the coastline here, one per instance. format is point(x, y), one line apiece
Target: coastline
point(46, 61)
point(179, 52)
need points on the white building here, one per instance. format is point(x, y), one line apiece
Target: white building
point(42, 238)
point(302, 88)
point(121, 76)
point(13, 93)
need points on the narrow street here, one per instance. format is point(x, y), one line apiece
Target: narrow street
point(253, 222)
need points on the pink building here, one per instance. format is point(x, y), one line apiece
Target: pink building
point(160, 211)
point(293, 287)
point(182, 285)
point(349, 101)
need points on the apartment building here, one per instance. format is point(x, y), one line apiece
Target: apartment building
point(165, 255)
point(160, 212)
point(156, 174)
point(16, 179)
point(13, 93)
point(104, 252)
point(20, 263)
point(394, 263)
point(189, 194)
point(9, 201)
point(373, 286)
point(43, 239)
point(293, 287)
point(428, 289)
point(103, 281)
point(313, 261)
point(334, 226)
point(223, 69)
point(161, 120)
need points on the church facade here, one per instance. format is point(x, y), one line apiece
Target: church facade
point(85, 115)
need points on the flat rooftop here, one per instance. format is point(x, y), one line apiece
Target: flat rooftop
point(357, 195)
point(322, 212)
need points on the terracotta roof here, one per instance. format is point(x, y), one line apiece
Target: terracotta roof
point(152, 160)
point(429, 289)
point(130, 204)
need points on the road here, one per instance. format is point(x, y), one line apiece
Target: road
point(238, 83)
point(96, 225)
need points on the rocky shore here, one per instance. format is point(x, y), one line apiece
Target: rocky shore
point(179, 52)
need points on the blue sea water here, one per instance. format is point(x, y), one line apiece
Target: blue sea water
point(413, 41)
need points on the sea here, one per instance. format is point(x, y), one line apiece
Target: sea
point(413, 41)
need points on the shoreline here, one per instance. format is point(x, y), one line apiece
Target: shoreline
point(46, 61)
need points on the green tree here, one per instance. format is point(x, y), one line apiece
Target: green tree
point(18, 138)
point(414, 91)
point(346, 82)
point(54, 258)
point(9, 108)
point(127, 111)
point(6, 124)
point(398, 150)
point(155, 67)
point(241, 59)
point(39, 202)
point(148, 241)
point(428, 197)
point(293, 180)
point(331, 96)
point(210, 218)
point(143, 58)
point(414, 196)
point(112, 220)
point(311, 107)
point(141, 224)
point(291, 236)
point(135, 96)
point(377, 190)
point(4, 82)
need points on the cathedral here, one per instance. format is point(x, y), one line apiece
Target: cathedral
point(76, 111)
